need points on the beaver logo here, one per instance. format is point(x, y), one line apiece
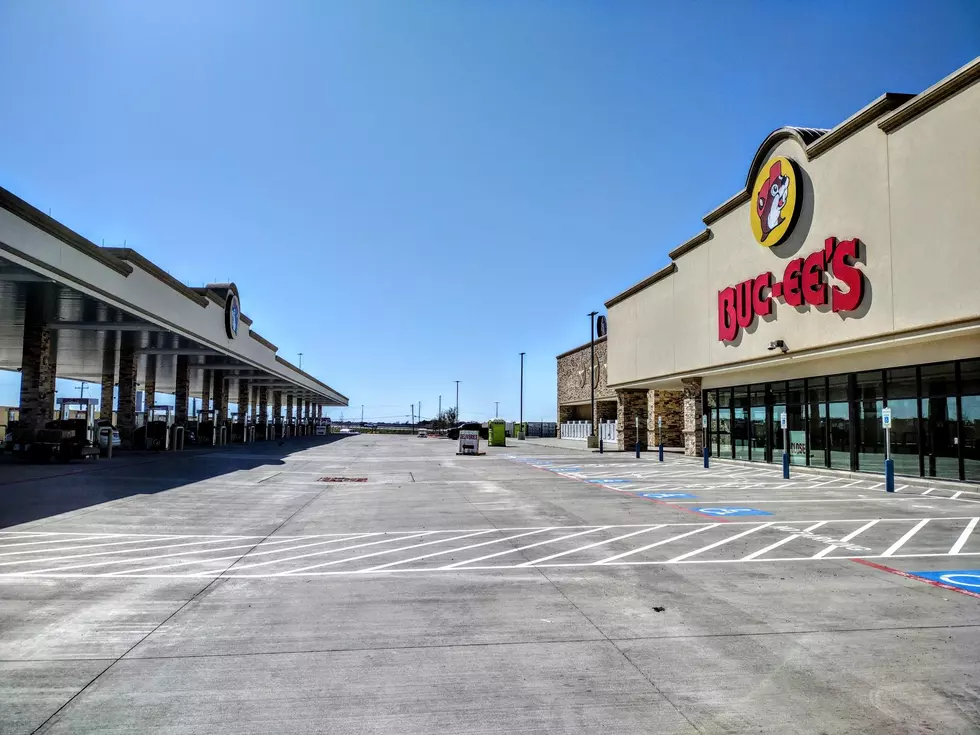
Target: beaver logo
point(775, 197)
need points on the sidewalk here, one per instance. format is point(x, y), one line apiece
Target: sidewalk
point(582, 445)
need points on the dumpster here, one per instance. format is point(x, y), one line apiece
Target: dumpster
point(497, 432)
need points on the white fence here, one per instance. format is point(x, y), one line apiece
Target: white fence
point(580, 430)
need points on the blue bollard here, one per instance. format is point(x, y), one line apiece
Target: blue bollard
point(600, 445)
point(785, 465)
point(661, 448)
point(890, 475)
point(637, 449)
point(705, 452)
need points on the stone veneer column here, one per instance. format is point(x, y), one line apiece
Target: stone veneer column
point(150, 382)
point(243, 395)
point(128, 364)
point(630, 404)
point(263, 403)
point(309, 411)
point(693, 437)
point(220, 397)
point(276, 405)
point(253, 402)
point(289, 408)
point(39, 360)
point(668, 404)
point(182, 389)
point(108, 375)
point(206, 391)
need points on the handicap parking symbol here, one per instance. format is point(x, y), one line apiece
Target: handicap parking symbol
point(727, 511)
point(666, 496)
point(964, 579)
point(611, 481)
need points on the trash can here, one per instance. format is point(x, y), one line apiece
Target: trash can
point(498, 432)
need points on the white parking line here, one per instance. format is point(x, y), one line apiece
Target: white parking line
point(464, 548)
point(658, 543)
point(955, 495)
point(522, 548)
point(909, 534)
point(48, 559)
point(591, 546)
point(99, 537)
point(928, 491)
point(719, 543)
point(776, 545)
point(387, 551)
point(961, 541)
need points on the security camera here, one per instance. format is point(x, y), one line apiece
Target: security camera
point(779, 345)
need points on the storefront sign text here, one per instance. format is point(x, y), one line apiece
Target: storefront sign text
point(803, 282)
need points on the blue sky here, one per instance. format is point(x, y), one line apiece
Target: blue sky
point(413, 192)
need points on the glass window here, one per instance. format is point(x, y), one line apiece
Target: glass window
point(839, 417)
point(740, 425)
point(837, 387)
point(970, 418)
point(817, 420)
point(902, 388)
point(939, 420)
point(937, 380)
point(725, 423)
point(869, 401)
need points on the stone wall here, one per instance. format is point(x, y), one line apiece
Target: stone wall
point(693, 436)
point(668, 404)
point(631, 403)
point(573, 378)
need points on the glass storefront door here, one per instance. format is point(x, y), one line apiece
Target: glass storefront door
point(940, 419)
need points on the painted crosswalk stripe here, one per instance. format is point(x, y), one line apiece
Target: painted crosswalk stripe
point(590, 546)
point(964, 537)
point(522, 548)
point(457, 549)
point(49, 559)
point(719, 543)
point(658, 543)
point(388, 551)
point(776, 545)
point(99, 537)
point(909, 534)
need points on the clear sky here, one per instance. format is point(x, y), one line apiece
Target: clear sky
point(413, 192)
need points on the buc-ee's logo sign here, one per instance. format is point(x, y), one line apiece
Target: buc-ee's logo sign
point(777, 197)
point(233, 312)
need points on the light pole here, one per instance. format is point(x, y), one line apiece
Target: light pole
point(592, 376)
point(520, 431)
point(300, 360)
point(457, 401)
point(496, 409)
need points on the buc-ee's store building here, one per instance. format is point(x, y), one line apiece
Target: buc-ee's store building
point(844, 278)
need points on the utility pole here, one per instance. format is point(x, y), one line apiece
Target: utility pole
point(420, 412)
point(496, 410)
point(300, 360)
point(413, 418)
point(520, 432)
point(362, 414)
point(592, 375)
point(440, 412)
point(457, 401)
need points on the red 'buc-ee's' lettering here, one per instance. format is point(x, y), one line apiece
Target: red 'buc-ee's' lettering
point(803, 281)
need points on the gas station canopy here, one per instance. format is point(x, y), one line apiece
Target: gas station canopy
point(93, 298)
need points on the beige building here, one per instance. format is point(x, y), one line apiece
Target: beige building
point(842, 280)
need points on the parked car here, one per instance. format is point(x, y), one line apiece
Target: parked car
point(103, 440)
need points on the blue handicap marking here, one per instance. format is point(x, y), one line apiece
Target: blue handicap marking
point(666, 496)
point(728, 511)
point(611, 481)
point(964, 579)
point(568, 469)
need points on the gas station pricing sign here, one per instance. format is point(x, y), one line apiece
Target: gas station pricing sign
point(804, 281)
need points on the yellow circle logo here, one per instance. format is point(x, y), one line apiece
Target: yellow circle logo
point(775, 201)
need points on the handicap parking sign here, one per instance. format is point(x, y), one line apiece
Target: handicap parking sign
point(964, 579)
point(666, 496)
point(729, 511)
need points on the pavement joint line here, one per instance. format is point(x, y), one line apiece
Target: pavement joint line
point(46, 560)
point(164, 556)
point(155, 629)
point(419, 534)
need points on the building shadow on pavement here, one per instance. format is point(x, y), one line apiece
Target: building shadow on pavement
point(31, 492)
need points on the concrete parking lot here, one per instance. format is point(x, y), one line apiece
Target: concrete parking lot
point(384, 584)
